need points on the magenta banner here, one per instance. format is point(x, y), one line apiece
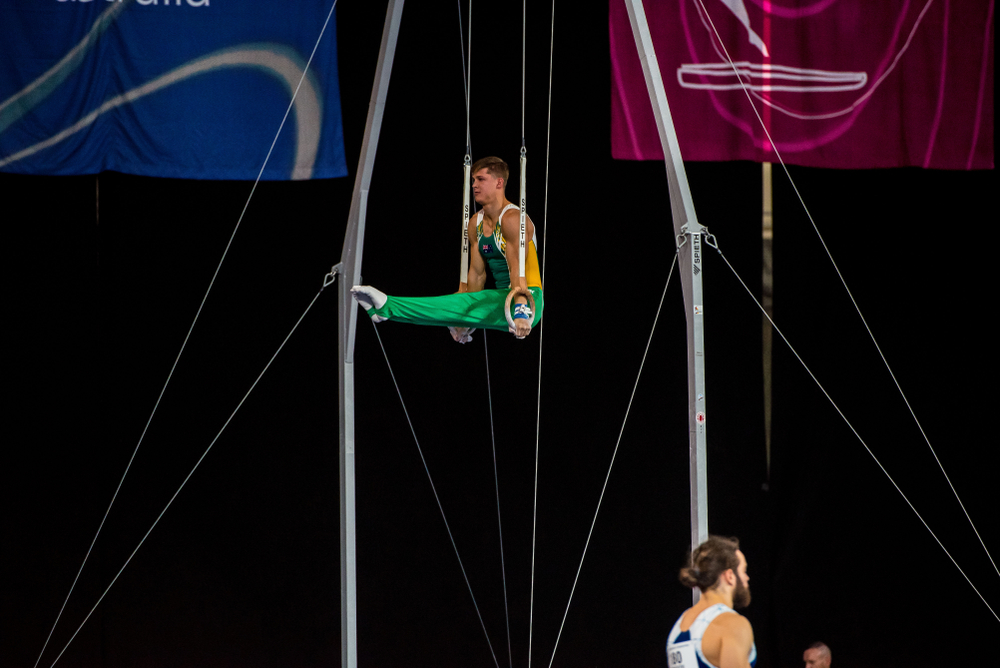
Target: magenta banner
point(851, 84)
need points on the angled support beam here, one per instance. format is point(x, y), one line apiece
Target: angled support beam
point(350, 275)
point(689, 243)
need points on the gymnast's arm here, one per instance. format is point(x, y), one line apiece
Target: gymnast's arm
point(475, 282)
point(510, 227)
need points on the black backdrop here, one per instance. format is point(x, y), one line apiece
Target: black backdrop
point(243, 568)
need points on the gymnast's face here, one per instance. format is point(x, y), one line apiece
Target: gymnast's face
point(485, 186)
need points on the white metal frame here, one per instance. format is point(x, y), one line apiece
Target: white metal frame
point(689, 239)
point(350, 275)
point(690, 244)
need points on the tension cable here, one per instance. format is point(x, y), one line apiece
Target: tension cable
point(328, 279)
point(187, 337)
point(541, 334)
point(851, 426)
point(843, 281)
point(614, 454)
point(437, 499)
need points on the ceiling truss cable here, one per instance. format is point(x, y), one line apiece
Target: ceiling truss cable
point(524, 158)
point(850, 295)
point(328, 280)
point(466, 70)
point(524, 42)
point(541, 334)
point(437, 499)
point(463, 275)
point(187, 337)
point(851, 427)
point(614, 454)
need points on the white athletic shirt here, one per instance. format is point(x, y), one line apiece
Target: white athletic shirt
point(684, 647)
point(497, 234)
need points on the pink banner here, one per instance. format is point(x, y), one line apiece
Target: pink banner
point(849, 84)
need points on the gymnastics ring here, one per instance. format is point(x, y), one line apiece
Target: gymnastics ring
point(531, 305)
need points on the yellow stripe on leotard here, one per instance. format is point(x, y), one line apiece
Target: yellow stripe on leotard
point(532, 275)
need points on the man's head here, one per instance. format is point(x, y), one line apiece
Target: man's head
point(817, 655)
point(489, 177)
point(718, 564)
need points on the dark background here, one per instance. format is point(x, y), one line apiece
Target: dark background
point(243, 568)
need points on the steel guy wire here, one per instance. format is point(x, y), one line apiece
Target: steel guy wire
point(496, 482)
point(541, 334)
point(187, 336)
point(614, 454)
point(843, 282)
point(195, 467)
point(437, 499)
point(853, 430)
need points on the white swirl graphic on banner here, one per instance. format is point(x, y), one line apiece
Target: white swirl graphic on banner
point(755, 78)
point(273, 59)
point(23, 101)
point(308, 108)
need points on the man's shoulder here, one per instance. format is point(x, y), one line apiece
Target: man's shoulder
point(717, 616)
point(510, 220)
point(733, 623)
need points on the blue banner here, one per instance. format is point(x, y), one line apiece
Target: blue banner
point(172, 88)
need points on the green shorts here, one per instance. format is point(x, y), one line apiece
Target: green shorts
point(482, 310)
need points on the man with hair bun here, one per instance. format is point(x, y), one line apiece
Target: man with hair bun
point(711, 634)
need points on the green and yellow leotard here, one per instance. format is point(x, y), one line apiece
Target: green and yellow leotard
point(493, 249)
point(482, 309)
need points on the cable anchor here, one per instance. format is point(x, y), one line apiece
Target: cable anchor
point(332, 275)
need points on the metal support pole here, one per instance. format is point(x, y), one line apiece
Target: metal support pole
point(689, 237)
point(350, 275)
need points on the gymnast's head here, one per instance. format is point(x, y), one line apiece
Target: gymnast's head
point(718, 565)
point(489, 178)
